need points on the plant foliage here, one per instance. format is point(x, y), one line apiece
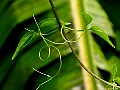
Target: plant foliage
point(16, 15)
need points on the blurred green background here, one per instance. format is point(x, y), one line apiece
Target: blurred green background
point(15, 15)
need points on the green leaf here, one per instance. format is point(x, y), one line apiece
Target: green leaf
point(50, 25)
point(25, 40)
point(117, 79)
point(114, 71)
point(114, 61)
point(51, 22)
point(100, 17)
point(99, 57)
point(48, 22)
point(97, 30)
point(88, 19)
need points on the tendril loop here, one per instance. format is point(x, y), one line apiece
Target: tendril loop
point(52, 46)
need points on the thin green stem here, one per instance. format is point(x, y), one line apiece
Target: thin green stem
point(73, 50)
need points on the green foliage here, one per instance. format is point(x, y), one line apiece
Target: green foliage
point(117, 79)
point(88, 19)
point(25, 40)
point(114, 71)
point(99, 57)
point(21, 69)
point(49, 22)
point(2, 4)
point(29, 36)
point(97, 30)
point(118, 40)
point(99, 15)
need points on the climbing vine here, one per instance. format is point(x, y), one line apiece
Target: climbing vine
point(63, 29)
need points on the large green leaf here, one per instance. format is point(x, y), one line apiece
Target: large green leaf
point(99, 57)
point(97, 30)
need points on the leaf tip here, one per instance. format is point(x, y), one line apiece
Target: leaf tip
point(97, 30)
point(13, 57)
point(113, 46)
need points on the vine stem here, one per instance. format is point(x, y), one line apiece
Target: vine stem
point(73, 50)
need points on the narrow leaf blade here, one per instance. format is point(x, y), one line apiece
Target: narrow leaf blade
point(88, 19)
point(97, 30)
point(25, 40)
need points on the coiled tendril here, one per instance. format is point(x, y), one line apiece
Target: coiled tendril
point(51, 46)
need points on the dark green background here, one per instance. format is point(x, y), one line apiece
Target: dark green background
point(15, 15)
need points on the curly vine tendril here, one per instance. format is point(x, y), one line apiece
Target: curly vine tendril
point(49, 49)
point(50, 77)
point(63, 28)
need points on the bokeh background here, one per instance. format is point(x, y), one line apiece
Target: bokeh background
point(15, 15)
